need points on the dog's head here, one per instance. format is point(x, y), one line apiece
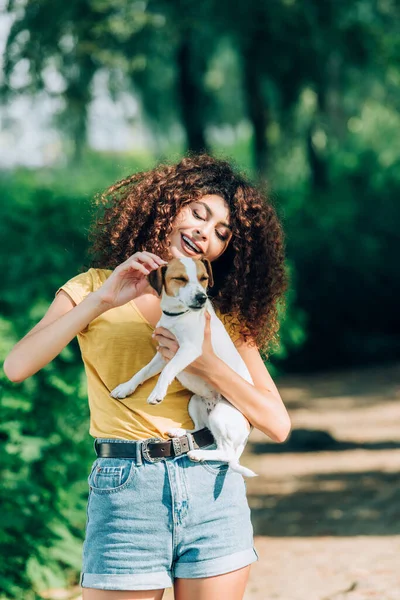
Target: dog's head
point(185, 280)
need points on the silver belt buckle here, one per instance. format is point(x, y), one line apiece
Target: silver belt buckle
point(177, 445)
point(145, 449)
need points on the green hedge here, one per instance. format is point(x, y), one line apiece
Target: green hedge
point(344, 244)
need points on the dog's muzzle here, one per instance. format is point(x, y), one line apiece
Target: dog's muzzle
point(198, 301)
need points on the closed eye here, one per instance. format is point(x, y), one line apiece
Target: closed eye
point(179, 279)
point(221, 236)
point(198, 215)
point(203, 217)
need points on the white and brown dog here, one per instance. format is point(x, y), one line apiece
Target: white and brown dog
point(182, 285)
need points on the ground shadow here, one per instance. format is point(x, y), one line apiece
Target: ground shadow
point(350, 389)
point(317, 440)
point(331, 504)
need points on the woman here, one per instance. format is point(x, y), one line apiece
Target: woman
point(152, 523)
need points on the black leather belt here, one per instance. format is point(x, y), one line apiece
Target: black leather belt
point(155, 449)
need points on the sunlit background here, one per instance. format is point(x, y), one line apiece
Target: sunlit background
point(304, 97)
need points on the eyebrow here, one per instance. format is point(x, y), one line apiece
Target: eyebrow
point(208, 209)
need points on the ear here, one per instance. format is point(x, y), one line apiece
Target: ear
point(156, 279)
point(207, 265)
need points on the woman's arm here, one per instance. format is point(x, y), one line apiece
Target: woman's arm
point(61, 323)
point(260, 403)
point(64, 320)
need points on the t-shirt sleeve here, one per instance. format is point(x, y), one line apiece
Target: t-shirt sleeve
point(80, 286)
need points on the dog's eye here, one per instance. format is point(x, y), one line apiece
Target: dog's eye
point(205, 278)
point(179, 279)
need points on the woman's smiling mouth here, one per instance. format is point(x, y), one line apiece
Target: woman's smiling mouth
point(189, 246)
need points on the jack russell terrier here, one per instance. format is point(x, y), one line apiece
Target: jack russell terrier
point(182, 285)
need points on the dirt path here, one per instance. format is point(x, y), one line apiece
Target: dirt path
point(327, 522)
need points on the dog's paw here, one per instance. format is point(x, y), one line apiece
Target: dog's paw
point(196, 455)
point(155, 397)
point(122, 391)
point(177, 432)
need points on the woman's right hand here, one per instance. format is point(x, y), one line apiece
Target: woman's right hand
point(128, 280)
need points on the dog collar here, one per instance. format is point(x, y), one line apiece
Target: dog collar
point(170, 314)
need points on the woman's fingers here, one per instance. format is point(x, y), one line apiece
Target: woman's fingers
point(166, 353)
point(149, 258)
point(139, 267)
point(158, 259)
point(129, 279)
point(167, 342)
point(164, 332)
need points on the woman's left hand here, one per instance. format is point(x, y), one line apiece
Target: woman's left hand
point(168, 347)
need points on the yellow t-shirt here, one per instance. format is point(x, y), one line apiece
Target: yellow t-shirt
point(114, 347)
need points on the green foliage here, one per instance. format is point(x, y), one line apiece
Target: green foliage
point(344, 242)
point(45, 450)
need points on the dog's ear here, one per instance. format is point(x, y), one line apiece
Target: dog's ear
point(207, 265)
point(157, 278)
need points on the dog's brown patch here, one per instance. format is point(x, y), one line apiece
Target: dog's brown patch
point(204, 273)
point(175, 277)
point(156, 279)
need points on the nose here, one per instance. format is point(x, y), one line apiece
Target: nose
point(200, 234)
point(200, 299)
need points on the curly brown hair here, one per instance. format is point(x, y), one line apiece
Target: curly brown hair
point(250, 276)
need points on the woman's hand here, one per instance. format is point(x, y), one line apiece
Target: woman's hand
point(168, 347)
point(128, 280)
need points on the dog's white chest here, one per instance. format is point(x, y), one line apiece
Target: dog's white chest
point(189, 331)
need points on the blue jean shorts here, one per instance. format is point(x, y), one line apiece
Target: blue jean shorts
point(150, 522)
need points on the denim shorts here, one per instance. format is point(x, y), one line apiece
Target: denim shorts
point(150, 522)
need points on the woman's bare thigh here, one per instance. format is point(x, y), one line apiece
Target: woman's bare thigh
point(93, 594)
point(230, 585)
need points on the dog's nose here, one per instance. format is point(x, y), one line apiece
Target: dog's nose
point(200, 299)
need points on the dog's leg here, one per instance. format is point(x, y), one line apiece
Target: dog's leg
point(185, 355)
point(154, 367)
point(223, 452)
point(219, 454)
point(195, 409)
point(197, 412)
point(230, 437)
point(224, 455)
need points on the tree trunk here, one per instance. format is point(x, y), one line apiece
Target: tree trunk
point(257, 110)
point(318, 167)
point(78, 97)
point(192, 95)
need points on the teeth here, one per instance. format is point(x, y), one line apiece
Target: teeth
point(189, 243)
